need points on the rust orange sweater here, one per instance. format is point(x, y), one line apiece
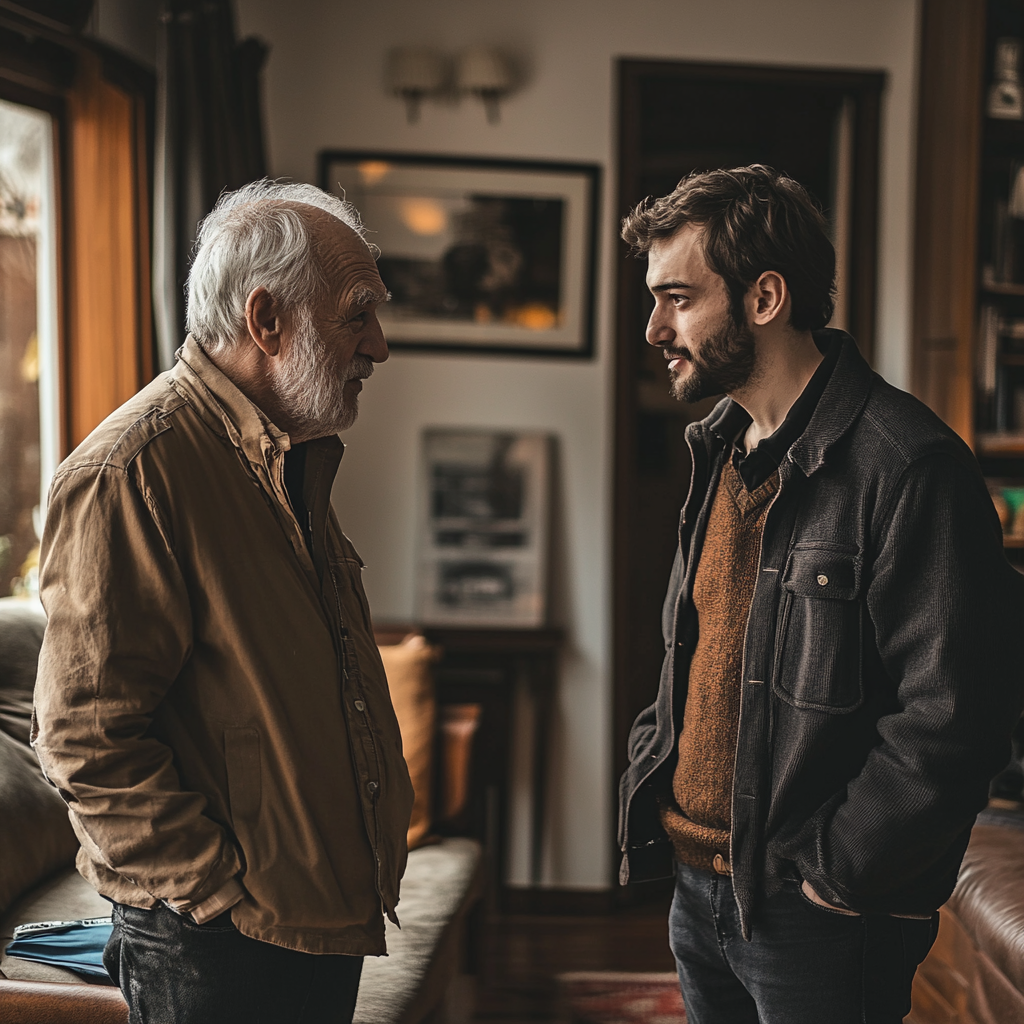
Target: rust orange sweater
point(699, 820)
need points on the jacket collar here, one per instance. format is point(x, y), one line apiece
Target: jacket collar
point(223, 406)
point(839, 406)
point(841, 402)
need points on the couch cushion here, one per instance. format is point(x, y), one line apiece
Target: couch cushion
point(21, 634)
point(64, 897)
point(407, 666)
point(35, 835)
point(438, 884)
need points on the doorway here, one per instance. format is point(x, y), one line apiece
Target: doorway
point(819, 126)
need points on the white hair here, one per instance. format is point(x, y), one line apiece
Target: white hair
point(253, 238)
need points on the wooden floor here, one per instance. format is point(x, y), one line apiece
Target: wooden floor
point(520, 956)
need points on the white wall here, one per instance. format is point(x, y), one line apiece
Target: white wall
point(324, 88)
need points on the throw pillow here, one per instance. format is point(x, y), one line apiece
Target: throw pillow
point(35, 834)
point(407, 666)
point(21, 634)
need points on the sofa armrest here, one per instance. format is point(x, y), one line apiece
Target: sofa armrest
point(43, 1002)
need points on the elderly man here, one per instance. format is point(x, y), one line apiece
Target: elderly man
point(210, 702)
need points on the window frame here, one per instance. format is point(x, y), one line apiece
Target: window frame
point(72, 78)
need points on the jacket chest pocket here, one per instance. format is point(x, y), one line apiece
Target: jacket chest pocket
point(818, 663)
point(347, 575)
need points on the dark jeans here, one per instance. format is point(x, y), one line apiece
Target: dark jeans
point(173, 971)
point(803, 964)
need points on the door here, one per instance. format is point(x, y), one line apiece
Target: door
point(820, 127)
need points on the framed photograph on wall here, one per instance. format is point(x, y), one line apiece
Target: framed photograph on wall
point(484, 530)
point(479, 255)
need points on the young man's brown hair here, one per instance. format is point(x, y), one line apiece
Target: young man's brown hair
point(754, 219)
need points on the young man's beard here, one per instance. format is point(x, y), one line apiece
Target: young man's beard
point(310, 388)
point(724, 362)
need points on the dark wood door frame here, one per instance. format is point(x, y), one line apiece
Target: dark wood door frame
point(865, 89)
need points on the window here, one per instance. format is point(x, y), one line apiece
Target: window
point(29, 391)
point(75, 318)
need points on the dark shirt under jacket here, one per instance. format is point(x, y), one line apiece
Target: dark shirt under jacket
point(760, 462)
point(294, 482)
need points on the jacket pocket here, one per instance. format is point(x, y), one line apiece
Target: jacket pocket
point(818, 663)
point(348, 579)
point(245, 790)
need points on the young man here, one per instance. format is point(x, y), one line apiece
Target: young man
point(843, 664)
point(210, 701)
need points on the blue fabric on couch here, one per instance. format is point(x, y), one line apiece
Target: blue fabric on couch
point(75, 945)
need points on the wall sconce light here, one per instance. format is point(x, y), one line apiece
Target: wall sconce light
point(485, 73)
point(415, 72)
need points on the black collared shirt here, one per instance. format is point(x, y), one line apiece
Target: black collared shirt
point(294, 482)
point(760, 462)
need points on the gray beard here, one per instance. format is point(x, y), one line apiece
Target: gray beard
point(311, 391)
point(725, 364)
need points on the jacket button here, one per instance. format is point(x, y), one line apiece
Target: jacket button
point(372, 787)
point(823, 580)
point(360, 706)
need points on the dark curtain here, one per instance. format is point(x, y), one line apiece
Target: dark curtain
point(209, 138)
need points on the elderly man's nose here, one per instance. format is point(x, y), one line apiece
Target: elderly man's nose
point(374, 344)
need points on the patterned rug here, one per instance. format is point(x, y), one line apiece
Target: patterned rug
point(614, 997)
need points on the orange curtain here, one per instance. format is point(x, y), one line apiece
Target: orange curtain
point(108, 328)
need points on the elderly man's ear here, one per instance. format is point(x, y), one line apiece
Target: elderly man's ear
point(264, 321)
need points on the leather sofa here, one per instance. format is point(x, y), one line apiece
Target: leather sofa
point(38, 881)
point(974, 973)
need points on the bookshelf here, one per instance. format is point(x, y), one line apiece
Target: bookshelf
point(968, 338)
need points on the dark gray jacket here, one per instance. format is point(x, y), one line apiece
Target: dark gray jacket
point(882, 666)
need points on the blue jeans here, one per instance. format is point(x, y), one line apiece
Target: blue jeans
point(172, 971)
point(803, 964)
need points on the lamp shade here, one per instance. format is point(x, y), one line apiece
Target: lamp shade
point(481, 69)
point(416, 69)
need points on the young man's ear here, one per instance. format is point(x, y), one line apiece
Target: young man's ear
point(768, 297)
point(263, 321)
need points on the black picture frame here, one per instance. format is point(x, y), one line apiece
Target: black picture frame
point(482, 256)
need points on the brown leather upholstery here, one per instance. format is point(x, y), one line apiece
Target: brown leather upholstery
point(974, 973)
point(989, 897)
point(40, 1002)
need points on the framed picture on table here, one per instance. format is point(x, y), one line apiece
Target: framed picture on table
point(484, 528)
point(479, 255)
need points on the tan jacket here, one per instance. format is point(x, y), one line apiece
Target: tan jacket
point(210, 701)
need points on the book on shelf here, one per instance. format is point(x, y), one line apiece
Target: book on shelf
point(1004, 271)
point(1000, 371)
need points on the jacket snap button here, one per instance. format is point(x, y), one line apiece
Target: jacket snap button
point(360, 706)
point(823, 580)
point(372, 787)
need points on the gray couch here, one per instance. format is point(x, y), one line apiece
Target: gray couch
point(38, 881)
